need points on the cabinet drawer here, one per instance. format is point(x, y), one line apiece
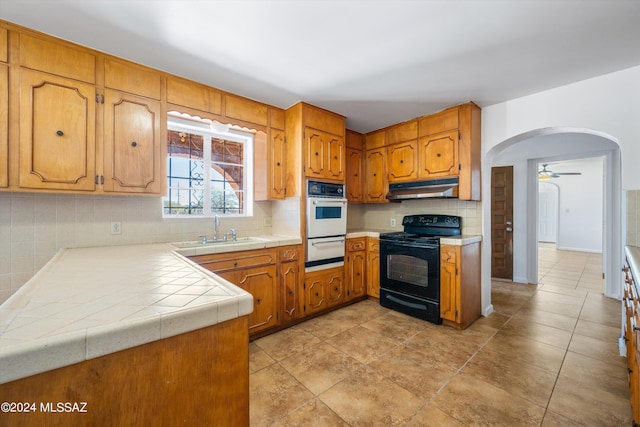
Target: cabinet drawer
point(373, 244)
point(58, 59)
point(290, 253)
point(233, 260)
point(356, 244)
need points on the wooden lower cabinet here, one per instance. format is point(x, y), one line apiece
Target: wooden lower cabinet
point(356, 268)
point(255, 272)
point(460, 303)
point(323, 289)
point(373, 267)
point(289, 274)
point(631, 306)
point(188, 379)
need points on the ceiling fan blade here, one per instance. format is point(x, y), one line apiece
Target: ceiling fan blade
point(568, 173)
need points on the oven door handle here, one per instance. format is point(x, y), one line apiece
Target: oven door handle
point(328, 242)
point(322, 202)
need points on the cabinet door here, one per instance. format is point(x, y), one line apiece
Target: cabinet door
point(316, 153)
point(4, 124)
point(448, 284)
point(354, 175)
point(374, 182)
point(373, 267)
point(132, 144)
point(335, 288)
point(314, 293)
point(335, 157)
point(356, 273)
point(402, 160)
point(439, 155)
point(57, 133)
point(289, 277)
point(276, 166)
point(261, 283)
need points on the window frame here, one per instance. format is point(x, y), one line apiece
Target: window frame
point(208, 129)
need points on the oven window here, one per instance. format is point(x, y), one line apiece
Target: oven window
point(328, 212)
point(408, 269)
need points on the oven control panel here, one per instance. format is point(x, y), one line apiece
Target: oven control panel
point(324, 189)
point(445, 221)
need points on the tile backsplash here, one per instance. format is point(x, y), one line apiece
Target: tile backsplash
point(378, 216)
point(633, 218)
point(34, 226)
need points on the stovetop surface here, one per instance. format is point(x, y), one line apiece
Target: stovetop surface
point(401, 236)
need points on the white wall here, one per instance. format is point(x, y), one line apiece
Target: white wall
point(609, 104)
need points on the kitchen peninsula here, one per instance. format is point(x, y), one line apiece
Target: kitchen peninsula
point(133, 332)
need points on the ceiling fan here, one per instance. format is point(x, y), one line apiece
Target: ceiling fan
point(546, 174)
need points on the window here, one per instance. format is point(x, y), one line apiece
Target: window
point(209, 169)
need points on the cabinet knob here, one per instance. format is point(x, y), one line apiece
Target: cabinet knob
point(316, 153)
point(317, 294)
point(278, 164)
point(335, 288)
point(134, 144)
point(355, 174)
point(258, 300)
point(374, 174)
point(59, 133)
point(401, 161)
point(438, 155)
point(235, 264)
point(335, 157)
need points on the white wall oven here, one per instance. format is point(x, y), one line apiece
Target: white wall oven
point(326, 225)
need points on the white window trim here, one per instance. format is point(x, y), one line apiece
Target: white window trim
point(211, 129)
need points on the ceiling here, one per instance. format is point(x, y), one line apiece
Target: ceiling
point(376, 62)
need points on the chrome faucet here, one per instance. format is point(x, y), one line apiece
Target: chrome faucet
point(234, 235)
point(216, 224)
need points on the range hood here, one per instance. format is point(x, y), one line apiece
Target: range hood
point(431, 188)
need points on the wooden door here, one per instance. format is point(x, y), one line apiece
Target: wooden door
point(402, 160)
point(502, 222)
point(439, 155)
point(335, 157)
point(276, 174)
point(374, 182)
point(316, 146)
point(4, 124)
point(57, 133)
point(261, 283)
point(132, 144)
point(354, 175)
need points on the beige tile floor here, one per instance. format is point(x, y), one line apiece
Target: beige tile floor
point(547, 356)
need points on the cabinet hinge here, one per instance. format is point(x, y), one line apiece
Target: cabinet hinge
point(459, 135)
point(99, 179)
point(456, 271)
point(459, 166)
point(96, 181)
point(99, 98)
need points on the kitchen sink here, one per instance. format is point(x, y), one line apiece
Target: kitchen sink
point(200, 244)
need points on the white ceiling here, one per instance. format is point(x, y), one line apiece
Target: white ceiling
point(376, 62)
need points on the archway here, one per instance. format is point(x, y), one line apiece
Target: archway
point(523, 151)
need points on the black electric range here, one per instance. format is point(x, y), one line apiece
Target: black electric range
point(410, 265)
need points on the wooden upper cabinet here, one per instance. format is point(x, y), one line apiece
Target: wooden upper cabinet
point(244, 109)
point(4, 125)
point(57, 133)
point(406, 131)
point(354, 175)
point(375, 183)
point(57, 58)
point(354, 139)
point(439, 155)
point(4, 40)
point(325, 155)
point(193, 95)
point(276, 164)
point(133, 146)
point(439, 122)
point(402, 160)
point(276, 118)
point(375, 140)
point(132, 78)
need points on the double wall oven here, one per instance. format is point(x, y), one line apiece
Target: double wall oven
point(410, 265)
point(326, 225)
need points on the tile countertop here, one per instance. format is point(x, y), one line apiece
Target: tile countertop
point(89, 302)
point(463, 240)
